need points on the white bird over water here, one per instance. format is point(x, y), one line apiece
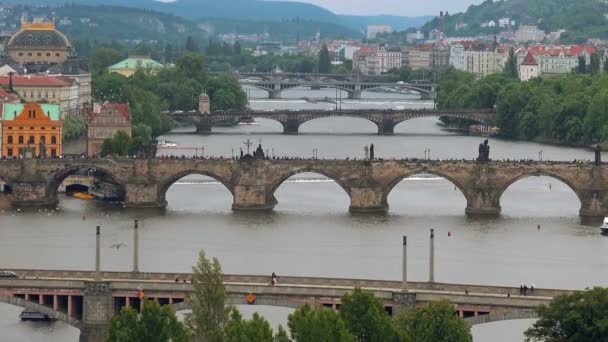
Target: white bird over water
point(118, 245)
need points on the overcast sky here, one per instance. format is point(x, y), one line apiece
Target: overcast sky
point(396, 7)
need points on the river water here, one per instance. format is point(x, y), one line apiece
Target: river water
point(311, 233)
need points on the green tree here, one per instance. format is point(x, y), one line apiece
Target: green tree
point(582, 65)
point(208, 301)
point(255, 330)
point(594, 64)
point(73, 127)
point(155, 324)
point(318, 325)
point(511, 65)
point(281, 335)
point(104, 57)
point(324, 61)
point(580, 316)
point(118, 145)
point(191, 45)
point(366, 318)
point(433, 322)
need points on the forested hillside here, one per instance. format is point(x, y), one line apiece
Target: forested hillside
point(581, 18)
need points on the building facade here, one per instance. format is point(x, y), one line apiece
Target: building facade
point(529, 68)
point(374, 30)
point(377, 61)
point(557, 59)
point(38, 43)
point(529, 33)
point(31, 126)
point(65, 91)
point(103, 122)
point(420, 57)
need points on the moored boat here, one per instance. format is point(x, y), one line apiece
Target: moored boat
point(604, 226)
point(83, 196)
point(26, 315)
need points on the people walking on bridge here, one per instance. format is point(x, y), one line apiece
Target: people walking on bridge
point(525, 290)
point(532, 289)
point(273, 279)
point(521, 290)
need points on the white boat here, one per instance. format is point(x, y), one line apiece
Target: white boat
point(162, 143)
point(604, 227)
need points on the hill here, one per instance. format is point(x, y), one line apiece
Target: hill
point(581, 18)
point(244, 10)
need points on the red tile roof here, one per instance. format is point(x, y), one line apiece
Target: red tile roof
point(529, 60)
point(121, 108)
point(573, 51)
point(34, 81)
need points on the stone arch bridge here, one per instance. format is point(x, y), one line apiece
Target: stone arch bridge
point(252, 183)
point(385, 120)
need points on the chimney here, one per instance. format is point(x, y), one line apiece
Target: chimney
point(10, 82)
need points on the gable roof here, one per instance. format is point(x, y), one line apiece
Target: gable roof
point(11, 110)
point(34, 81)
point(529, 60)
point(120, 108)
point(133, 63)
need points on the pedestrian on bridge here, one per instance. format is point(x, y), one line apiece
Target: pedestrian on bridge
point(273, 279)
point(525, 290)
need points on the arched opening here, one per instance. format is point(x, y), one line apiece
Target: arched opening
point(312, 95)
point(539, 196)
point(424, 126)
point(425, 193)
point(338, 125)
point(196, 192)
point(306, 191)
point(502, 331)
point(84, 182)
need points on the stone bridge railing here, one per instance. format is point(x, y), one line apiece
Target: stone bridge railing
point(252, 183)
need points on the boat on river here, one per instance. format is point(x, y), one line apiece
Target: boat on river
point(35, 316)
point(82, 195)
point(604, 227)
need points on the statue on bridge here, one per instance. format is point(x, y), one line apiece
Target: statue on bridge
point(598, 154)
point(371, 152)
point(484, 152)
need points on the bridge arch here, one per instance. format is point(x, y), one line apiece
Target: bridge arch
point(59, 177)
point(308, 169)
point(346, 114)
point(392, 184)
point(60, 316)
point(167, 183)
point(502, 316)
point(541, 173)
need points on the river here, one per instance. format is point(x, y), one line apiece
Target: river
point(311, 233)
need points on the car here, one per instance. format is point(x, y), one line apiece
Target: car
point(8, 274)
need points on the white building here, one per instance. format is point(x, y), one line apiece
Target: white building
point(377, 61)
point(529, 33)
point(504, 22)
point(457, 59)
point(529, 68)
point(374, 30)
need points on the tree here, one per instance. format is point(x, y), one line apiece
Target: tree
point(582, 65)
point(255, 330)
point(168, 55)
point(580, 316)
point(324, 61)
point(281, 335)
point(103, 58)
point(365, 317)
point(433, 322)
point(118, 145)
point(155, 324)
point(511, 65)
point(208, 301)
point(318, 325)
point(191, 45)
point(594, 64)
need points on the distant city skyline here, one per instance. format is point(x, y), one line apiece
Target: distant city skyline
point(393, 7)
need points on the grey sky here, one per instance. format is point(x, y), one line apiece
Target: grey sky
point(396, 7)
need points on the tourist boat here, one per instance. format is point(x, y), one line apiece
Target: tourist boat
point(247, 120)
point(604, 227)
point(26, 315)
point(106, 191)
point(164, 143)
point(83, 196)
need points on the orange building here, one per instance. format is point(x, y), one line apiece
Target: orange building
point(31, 126)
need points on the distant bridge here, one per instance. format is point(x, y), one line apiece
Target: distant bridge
point(354, 89)
point(87, 300)
point(307, 76)
point(386, 120)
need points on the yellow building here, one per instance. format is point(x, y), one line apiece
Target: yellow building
point(130, 65)
point(38, 43)
point(31, 126)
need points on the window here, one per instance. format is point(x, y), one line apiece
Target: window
point(39, 94)
point(9, 152)
point(21, 139)
point(31, 140)
point(20, 54)
point(43, 139)
point(53, 140)
point(31, 94)
point(21, 128)
point(57, 55)
point(48, 54)
point(29, 54)
point(42, 128)
point(46, 94)
point(53, 94)
point(54, 152)
point(39, 54)
point(9, 139)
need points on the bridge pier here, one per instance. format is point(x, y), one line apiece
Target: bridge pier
point(253, 198)
point(483, 202)
point(143, 194)
point(274, 94)
point(204, 126)
point(367, 200)
point(386, 127)
point(291, 126)
point(97, 311)
point(32, 194)
point(354, 94)
point(594, 203)
point(428, 96)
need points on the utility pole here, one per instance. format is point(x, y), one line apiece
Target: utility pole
point(97, 253)
point(432, 258)
point(404, 264)
point(136, 247)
